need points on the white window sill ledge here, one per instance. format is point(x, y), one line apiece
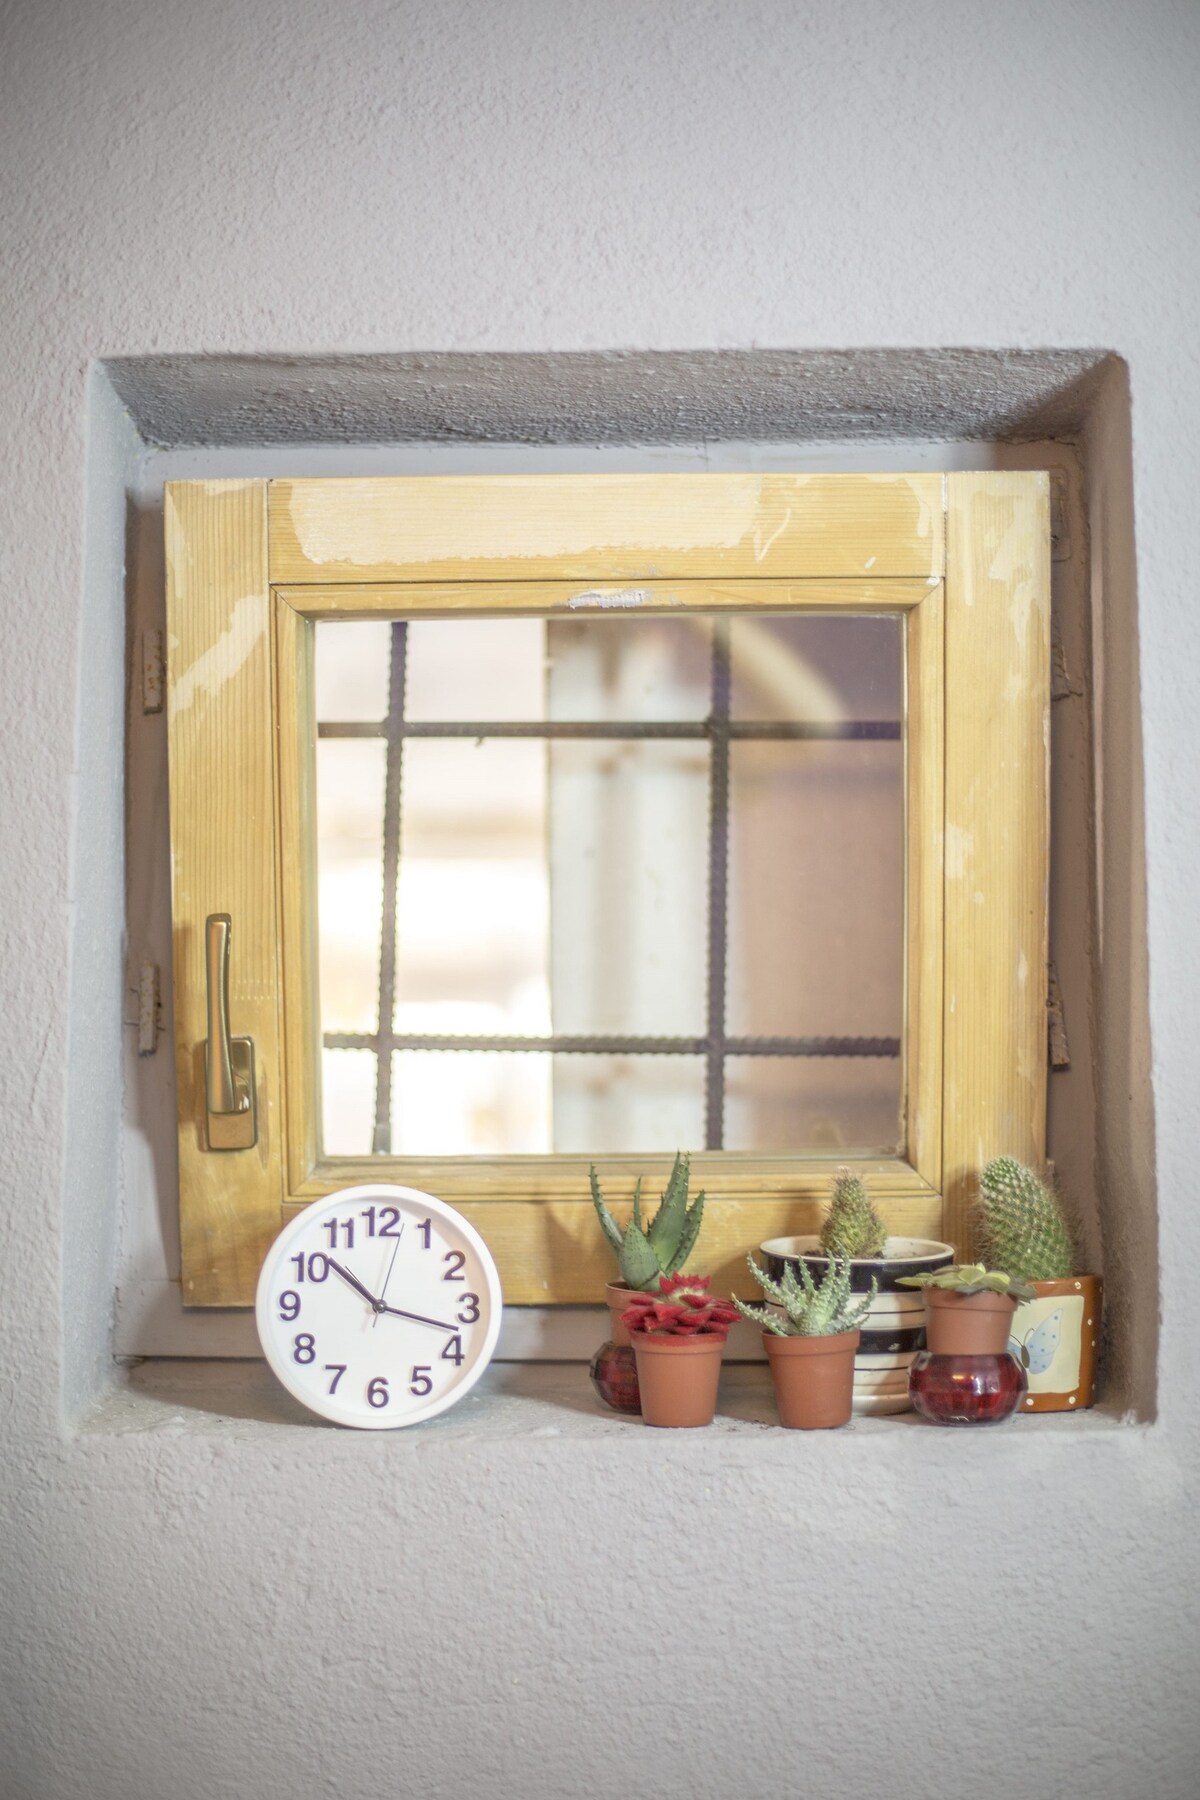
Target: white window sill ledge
point(521, 1401)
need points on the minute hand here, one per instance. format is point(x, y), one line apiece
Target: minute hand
point(420, 1318)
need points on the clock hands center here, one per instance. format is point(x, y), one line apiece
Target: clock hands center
point(376, 1305)
point(381, 1306)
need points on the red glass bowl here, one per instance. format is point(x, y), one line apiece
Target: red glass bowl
point(966, 1390)
point(615, 1378)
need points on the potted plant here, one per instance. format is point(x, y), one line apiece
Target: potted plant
point(1023, 1227)
point(893, 1330)
point(645, 1254)
point(966, 1376)
point(968, 1309)
point(678, 1335)
point(810, 1337)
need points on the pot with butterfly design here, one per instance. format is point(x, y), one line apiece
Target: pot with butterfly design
point(1055, 1337)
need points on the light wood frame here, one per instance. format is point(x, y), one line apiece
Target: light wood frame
point(252, 565)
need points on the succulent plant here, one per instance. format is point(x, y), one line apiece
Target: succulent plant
point(645, 1255)
point(682, 1308)
point(1021, 1223)
point(852, 1226)
point(970, 1278)
point(811, 1309)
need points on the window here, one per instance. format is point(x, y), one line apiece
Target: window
point(786, 688)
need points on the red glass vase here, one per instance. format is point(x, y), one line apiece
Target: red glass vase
point(966, 1390)
point(615, 1378)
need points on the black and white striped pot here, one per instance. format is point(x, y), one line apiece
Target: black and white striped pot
point(894, 1329)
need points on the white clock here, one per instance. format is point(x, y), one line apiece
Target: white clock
point(378, 1306)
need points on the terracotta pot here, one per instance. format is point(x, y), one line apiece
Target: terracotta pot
point(967, 1324)
point(1055, 1338)
point(677, 1377)
point(894, 1327)
point(813, 1377)
point(617, 1296)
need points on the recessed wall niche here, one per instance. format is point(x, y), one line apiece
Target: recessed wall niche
point(409, 414)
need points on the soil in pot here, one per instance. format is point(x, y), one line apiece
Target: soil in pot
point(677, 1377)
point(813, 1378)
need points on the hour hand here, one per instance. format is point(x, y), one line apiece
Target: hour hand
point(419, 1318)
point(355, 1283)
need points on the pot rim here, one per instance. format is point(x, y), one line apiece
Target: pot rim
point(832, 1342)
point(896, 1249)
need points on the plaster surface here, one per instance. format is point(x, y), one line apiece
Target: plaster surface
point(285, 1610)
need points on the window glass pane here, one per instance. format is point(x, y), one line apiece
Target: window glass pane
point(470, 1103)
point(628, 870)
point(605, 1104)
point(833, 1104)
point(350, 774)
point(348, 1101)
point(553, 887)
point(473, 894)
point(817, 667)
point(622, 668)
point(467, 669)
point(350, 671)
point(816, 890)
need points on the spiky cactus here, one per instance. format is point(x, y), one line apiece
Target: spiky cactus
point(852, 1226)
point(970, 1278)
point(1021, 1224)
point(811, 1309)
point(645, 1255)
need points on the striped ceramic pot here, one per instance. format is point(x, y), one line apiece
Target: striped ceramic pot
point(894, 1329)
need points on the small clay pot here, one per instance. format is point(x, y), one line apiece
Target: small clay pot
point(677, 1377)
point(967, 1324)
point(813, 1377)
point(617, 1295)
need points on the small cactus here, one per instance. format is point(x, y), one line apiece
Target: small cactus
point(852, 1226)
point(811, 1309)
point(1021, 1224)
point(970, 1278)
point(646, 1254)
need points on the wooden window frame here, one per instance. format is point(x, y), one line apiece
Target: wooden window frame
point(252, 565)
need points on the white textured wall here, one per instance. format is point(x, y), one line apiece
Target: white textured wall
point(280, 1612)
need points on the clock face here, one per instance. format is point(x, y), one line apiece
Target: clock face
point(378, 1306)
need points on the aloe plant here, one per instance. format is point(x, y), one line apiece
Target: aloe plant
point(970, 1278)
point(646, 1253)
point(811, 1309)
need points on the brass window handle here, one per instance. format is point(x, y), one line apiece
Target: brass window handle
point(228, 1061)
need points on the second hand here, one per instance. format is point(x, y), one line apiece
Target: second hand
point(388, 1276)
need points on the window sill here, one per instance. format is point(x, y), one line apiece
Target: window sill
point(515, 1402)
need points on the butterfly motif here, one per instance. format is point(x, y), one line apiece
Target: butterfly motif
point(1035, 1351)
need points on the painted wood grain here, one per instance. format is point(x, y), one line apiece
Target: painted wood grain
point(997, 828)
point(605, 527)
point(222, 795)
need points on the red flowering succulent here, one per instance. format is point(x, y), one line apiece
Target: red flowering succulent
point(683, 1307)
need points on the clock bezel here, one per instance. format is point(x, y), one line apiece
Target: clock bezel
point(328, 1407)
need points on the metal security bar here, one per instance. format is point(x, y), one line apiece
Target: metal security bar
point(720, 730)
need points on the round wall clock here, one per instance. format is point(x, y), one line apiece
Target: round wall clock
point(378, 1306)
